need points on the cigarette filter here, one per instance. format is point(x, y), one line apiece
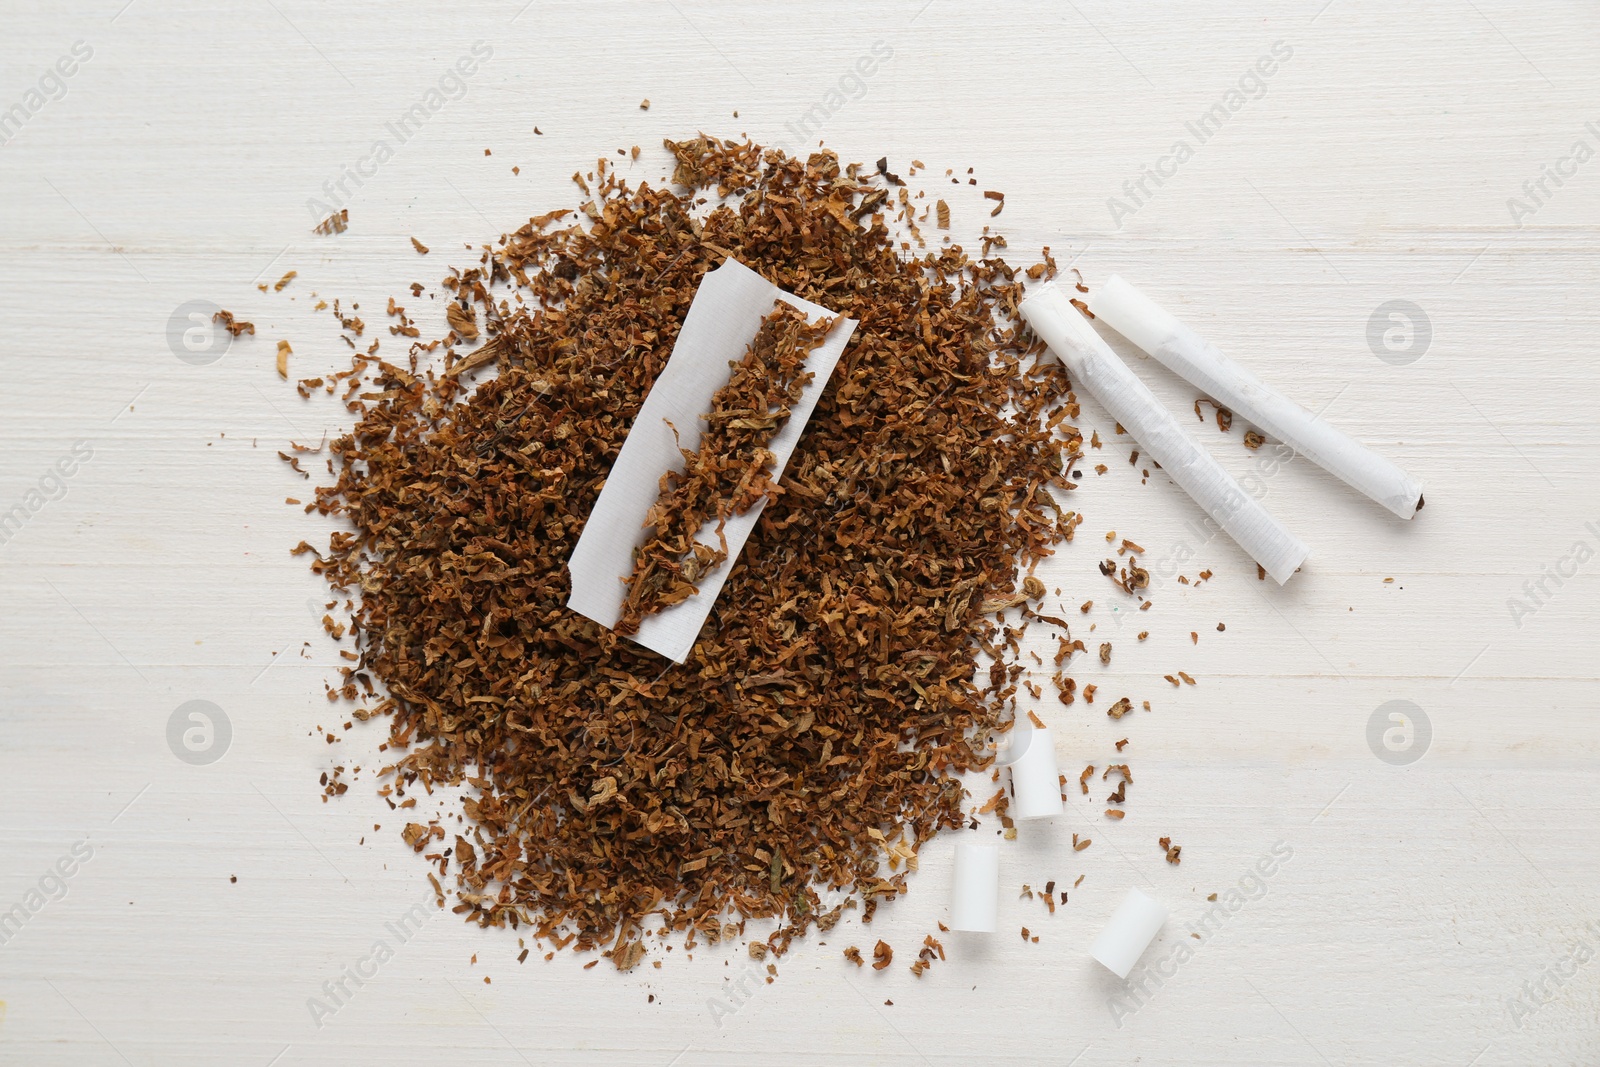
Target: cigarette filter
point(975, 893)
point(1035, 777)
point(1198, 362)
point(1096, 368)
point(1133, 926)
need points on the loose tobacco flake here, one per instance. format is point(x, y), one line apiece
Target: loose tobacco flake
point(337, 222)
point(232, 325)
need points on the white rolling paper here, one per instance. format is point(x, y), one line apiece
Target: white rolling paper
point(722, 321)
point(975, 891)
point(1191, 357)
point(1035, 775)
point(1096, 368)
point(1133, 926)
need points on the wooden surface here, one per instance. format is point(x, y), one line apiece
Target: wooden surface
point(1430, 913)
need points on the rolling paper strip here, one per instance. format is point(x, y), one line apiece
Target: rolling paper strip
point(1096, 368)
point(1191, 357)
point(723, 319)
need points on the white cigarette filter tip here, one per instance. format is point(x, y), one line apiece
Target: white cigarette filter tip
point(975, 893)
point(1133, 926)
point(1191, 357)
point(1036, 778)
point(1096, 368)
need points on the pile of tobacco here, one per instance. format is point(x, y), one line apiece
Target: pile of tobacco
point(856, 659)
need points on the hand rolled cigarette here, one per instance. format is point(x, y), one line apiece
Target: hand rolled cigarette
point(1133, 926)
point(1094, 366)
point(1198, 362)
point(975, 893)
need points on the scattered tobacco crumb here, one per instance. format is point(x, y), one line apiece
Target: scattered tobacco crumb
point(882, 955)
point(853, 954)
point(1224, 416)
point(338, 222)
point(1174, 852)
point(1253, 440)
point(931, 950)
point(232, 325)
point(421, 248)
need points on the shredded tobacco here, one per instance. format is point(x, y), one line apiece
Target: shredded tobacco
point(730, 472)
point(809, 746)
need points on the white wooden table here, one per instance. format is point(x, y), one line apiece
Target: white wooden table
point(1435, 906)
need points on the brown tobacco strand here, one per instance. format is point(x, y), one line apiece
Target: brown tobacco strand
point(791, 767)
point(729, 473)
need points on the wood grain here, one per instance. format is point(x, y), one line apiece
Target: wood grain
point(1418, 902)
